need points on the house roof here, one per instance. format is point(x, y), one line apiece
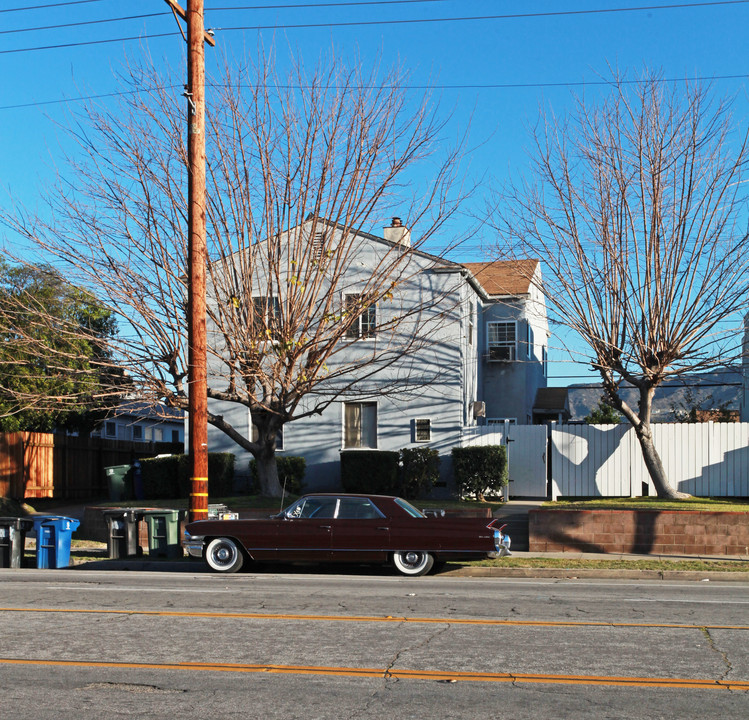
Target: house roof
point(503, 277)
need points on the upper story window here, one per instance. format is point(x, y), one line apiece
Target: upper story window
point(502, 340)
point(110, 429)
point(471, 313)
point(529, 342)
point(267, 316)
point(365, 324)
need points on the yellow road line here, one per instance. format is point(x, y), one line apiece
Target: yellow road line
point(377, 618)
point(390, 673)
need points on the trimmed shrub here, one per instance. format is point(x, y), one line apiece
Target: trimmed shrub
point(480, 470)
point(420, 469)
point(370, 471)
point(169, 477)
point(291, 471)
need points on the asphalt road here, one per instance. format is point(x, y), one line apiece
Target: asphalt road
point(98, 644)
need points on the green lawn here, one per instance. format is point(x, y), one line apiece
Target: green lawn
point(652, 503)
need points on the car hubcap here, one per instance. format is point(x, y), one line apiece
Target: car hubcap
point(412, 558)
point(223, 554)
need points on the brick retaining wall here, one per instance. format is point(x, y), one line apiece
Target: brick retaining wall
point(658, 532)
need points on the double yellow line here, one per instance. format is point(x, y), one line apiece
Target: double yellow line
point(377, 619)
point(390, 673)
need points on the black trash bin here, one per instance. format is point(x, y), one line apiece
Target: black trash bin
point(122, 535)
point(13, 540)
point(119, 482)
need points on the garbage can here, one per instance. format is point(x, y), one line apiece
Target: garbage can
point(163, 533)
point(13, 540)
point(53, 536)
point(122, 535)
point(119, 478)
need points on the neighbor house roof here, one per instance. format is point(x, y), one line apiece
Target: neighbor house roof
point(503, 277)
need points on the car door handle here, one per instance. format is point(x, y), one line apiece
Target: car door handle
point(325, 527)
point(383, 528)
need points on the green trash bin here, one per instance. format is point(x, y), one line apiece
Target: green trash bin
point(119, 482)
point(163, 533)
point(13, 540)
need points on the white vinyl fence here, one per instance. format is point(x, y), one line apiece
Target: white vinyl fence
point(704, 459)
point(526, 451)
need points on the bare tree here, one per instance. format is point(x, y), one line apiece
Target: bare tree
point(299, 167)
point(634, 209)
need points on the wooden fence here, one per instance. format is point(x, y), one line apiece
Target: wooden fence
point(43, 465)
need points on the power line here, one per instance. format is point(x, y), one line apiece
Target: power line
point(48, 6)
point(492, 86)
point(84, 22)
point(403, 21)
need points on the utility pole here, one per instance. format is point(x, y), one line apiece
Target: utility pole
point(196, 256)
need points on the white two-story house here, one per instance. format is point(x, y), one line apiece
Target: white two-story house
point(483, 361)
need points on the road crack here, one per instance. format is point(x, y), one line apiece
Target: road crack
point(724, 655)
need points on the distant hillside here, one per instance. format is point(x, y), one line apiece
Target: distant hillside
point(704, 391)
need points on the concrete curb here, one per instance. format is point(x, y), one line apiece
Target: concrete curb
point(587, 574)
point(187, 565)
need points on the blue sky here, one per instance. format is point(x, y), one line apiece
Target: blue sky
point(495, 71)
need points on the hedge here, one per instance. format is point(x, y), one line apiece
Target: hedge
point(480, 470)
point(169, 477)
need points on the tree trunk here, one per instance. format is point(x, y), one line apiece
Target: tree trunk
point(267, 473)
point(654, 465)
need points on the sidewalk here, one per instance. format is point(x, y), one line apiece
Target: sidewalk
point(514, 512)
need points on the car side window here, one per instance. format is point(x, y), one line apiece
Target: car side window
point(357, 509)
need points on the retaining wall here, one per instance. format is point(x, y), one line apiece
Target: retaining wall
point(658, 532)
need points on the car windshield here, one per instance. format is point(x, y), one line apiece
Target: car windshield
point(410, 509)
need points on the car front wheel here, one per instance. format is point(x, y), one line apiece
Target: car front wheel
point(224, 555)
point(412, 562)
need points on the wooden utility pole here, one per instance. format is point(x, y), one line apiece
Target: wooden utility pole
point(196, 256)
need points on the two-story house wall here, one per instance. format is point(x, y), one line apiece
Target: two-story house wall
point(425, 397)
point(513, 337)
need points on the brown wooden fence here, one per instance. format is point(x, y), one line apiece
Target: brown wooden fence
point(41, 465)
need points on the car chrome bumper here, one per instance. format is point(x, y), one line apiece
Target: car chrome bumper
point(502, 542)
point(194, 545)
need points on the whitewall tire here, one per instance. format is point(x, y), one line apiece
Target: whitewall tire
point(412, 562)
point(224, 555)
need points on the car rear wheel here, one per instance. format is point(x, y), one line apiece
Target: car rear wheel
point(224, 555)
point(412, 562)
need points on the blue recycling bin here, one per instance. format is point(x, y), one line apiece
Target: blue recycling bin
point(53, 536)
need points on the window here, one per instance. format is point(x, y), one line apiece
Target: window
point(365, 324)
point(175, 436)
point(471, 311)
point(110, 429)
point(357, 509)
point(266, 316)
point(529, 342)
point(137, 432)
point(501, 341)
point(360, 425)
point(422, 430)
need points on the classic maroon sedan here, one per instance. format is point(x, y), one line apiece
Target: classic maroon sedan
point(347, 528)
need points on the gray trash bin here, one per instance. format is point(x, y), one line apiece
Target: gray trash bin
point(13, 540)
point(122, 533)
